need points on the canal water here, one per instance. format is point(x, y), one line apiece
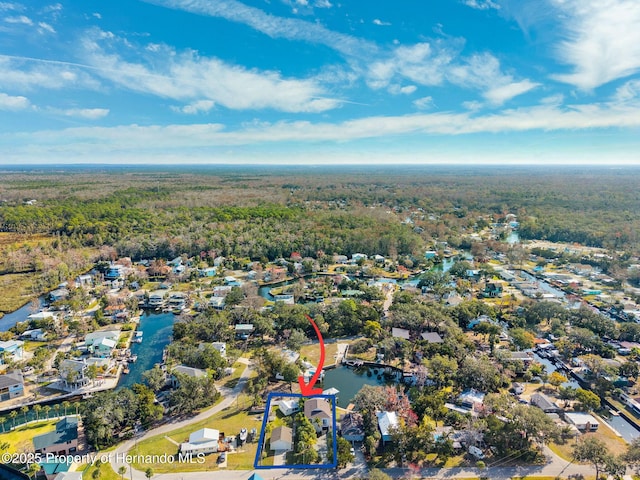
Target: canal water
point(20, 315)
point(349, 381)
point(157, 329)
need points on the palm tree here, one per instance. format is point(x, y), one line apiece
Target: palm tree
point(47, 409)
point(66, 404)
point(34, 468)
point(13, 416)
point(122, 470)
point(24, 410)
point(37, 409)
point(2, 420)
point(4, 446)
point(148, 473)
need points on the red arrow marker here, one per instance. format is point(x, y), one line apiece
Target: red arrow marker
point(308, 390)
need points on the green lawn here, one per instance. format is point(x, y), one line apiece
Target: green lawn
point(232, 380)
point(20, 438)
point(106, 472)
point(312, 353)
point(229, 421)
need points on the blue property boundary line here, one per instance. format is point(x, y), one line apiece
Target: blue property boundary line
point(256, 464)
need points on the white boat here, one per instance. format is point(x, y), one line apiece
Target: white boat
point(243, 434)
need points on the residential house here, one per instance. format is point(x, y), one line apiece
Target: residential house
point(217, 303)
point(73, 374)
point(471, 400)
point(340, 259)
point(51, 318)
point(221, 347)
point(387, 422)
point(524, 357)
point(207, 272)
point(582, 421)
point(115, 272)
point(281, 439)
point(400, 333)
point(221, 290)
point(11, 385)
point(544, 403)
point(157, 299)
point(96, 337)
point(492, 290)
point(284, 298)
point(35, 335)
point(243, 330)
point(58, 294)
point(288, 407)
point(205, 440)
point(356, 257)
point(12, 350)
point(68, 476)
point(352, 427)
point(431, 337)
point(184, 370)
point(319, 412)
point(51, 470)
point(61, 441)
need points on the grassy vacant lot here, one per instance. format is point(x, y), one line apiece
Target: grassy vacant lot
point(616, 444)
point(19, 440)
point(312, 353)
point(230, 421)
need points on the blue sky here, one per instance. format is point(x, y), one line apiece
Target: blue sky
point(320, 81)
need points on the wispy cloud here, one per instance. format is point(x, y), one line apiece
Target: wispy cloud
point(424, 103)
point(377, 21)
point(4, 6)
point(188, 77)
point(482, 4)
point(26, 74)
point(20, 19)
point(503, 93)
point(9, 102)
point(45, 27)
point(274, 26)
point(601, 40)
point(86, 113)
point(136, 138)
point(201, 106)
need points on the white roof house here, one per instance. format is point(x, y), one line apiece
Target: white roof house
point(288, 407)
point(204, 440)
point(400, 333)
point(221, 347)
point(583, 421)
point(95, 338)
point(386, 422)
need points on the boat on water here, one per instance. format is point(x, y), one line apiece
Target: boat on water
point(138, 337)
point(132, 358)
point(125, 370)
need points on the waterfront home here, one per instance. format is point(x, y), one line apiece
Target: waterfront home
point(205, 440)
point(156, 299)
point(94, 338)
point(288, 407)
point(184, 370)
point(287, 299)
point(11, 385)
point(58, 294)
point(12, 350)
point(387, 422)
point(352, 427)
point(35, 335)
point(281, 439)
point(582, 421)
point(73, 373)
point(62, 441)
point(319, 412)
point(217, 303)
point(207, 272)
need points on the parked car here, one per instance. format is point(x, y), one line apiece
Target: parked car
point(222, 458)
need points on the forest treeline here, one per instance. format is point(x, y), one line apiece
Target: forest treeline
point(160, 214)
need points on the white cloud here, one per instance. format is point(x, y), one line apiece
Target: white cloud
point(396, 89)
point(482, 4)
point(629, 91)
point(97, 15)
point(45, 27)
point(273, 26)
point(10, 6)
point(20, 19)
point(601, 40)
point(87, 113)
point(196, 107)
point(141, 139)
point(424, 103)
point(187, 76)
point(380, 23)
point(499, 95)
point(8, 102)
point(26, 74)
